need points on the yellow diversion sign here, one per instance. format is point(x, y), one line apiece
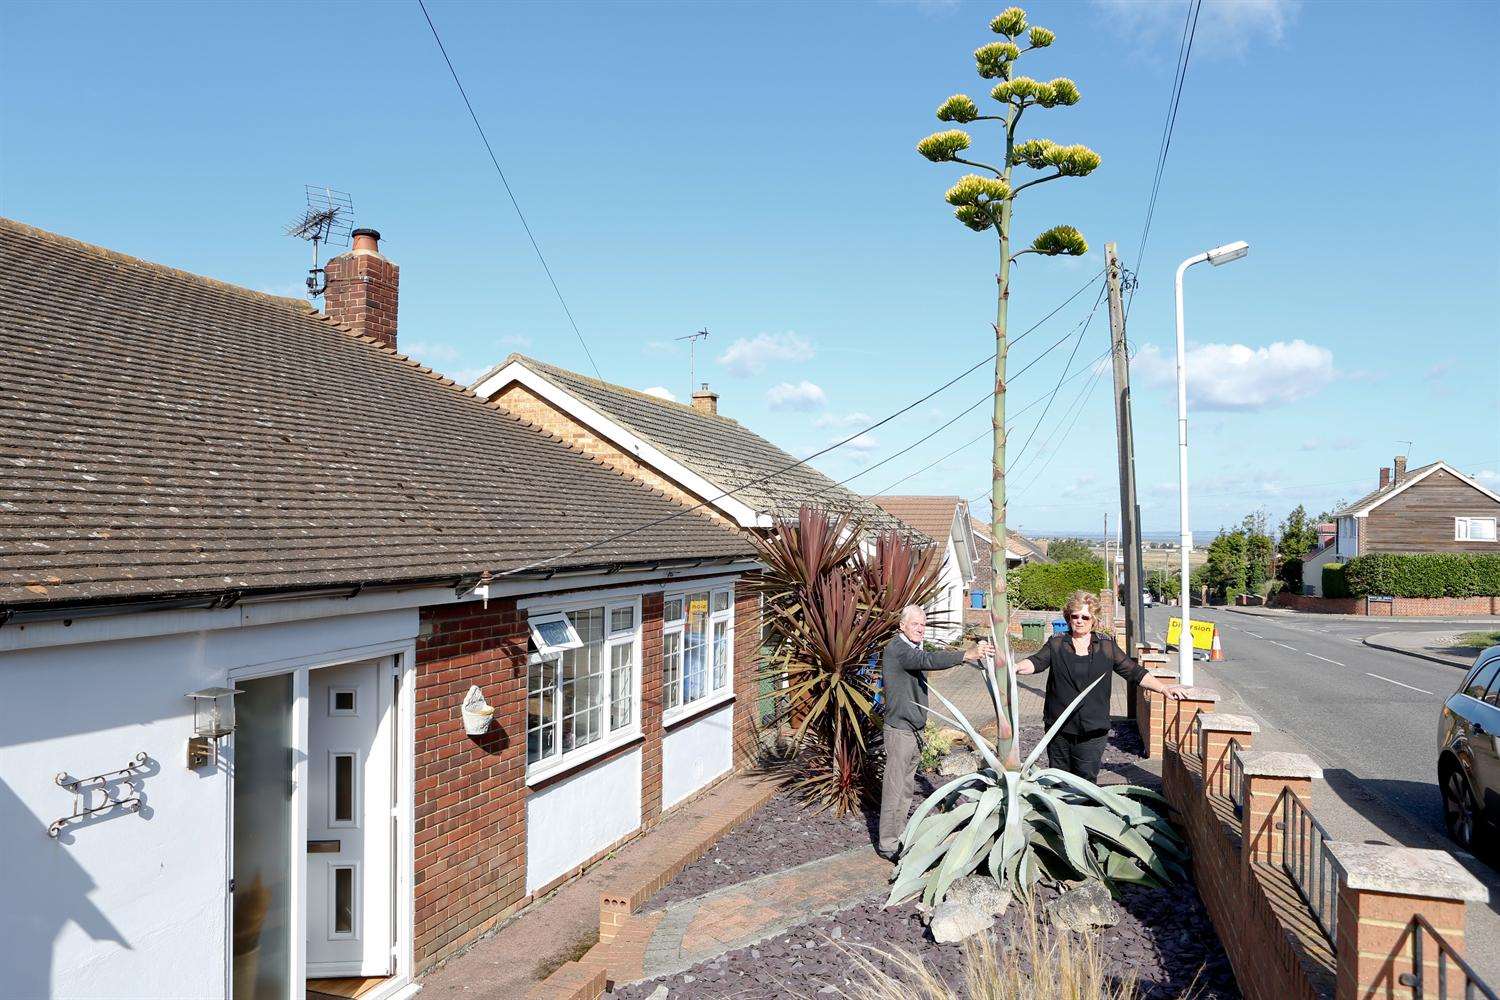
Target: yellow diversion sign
point(1203, 634)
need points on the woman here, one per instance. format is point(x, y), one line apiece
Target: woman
point(1076, 660)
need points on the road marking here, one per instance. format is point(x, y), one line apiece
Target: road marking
point(1282, 645)
point(1258, 636)
point(1397, 683)
point(1325, 659)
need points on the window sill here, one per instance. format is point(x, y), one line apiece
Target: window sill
point(575, 760)
point(683, 713)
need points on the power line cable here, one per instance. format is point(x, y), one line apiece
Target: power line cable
point(803, 461)
point(514, 203)
point(1082, 329)
point(1184, 54)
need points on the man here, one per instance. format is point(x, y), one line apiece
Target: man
point(903, 668)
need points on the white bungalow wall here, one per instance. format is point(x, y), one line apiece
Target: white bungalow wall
point(695, 753)
point(568, 822)
point(130, 905)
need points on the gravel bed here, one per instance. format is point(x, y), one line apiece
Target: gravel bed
point(1160, 939)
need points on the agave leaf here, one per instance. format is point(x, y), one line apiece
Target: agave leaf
point(938, 827)
point(1037, 750)
point(979, 744)
point(1139, 792)
point(931, 802)
point(1070, 826)
point(964, 847)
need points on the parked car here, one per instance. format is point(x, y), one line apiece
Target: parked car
point(1469, 753)
point(1146, 598)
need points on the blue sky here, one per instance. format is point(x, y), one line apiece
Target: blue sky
point(750, 168)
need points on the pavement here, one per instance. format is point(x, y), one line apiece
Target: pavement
point(1367, 715)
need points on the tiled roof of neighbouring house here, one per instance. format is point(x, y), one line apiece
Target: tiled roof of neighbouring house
point(163, 433)
point(1382, 492)
point(719, 449)
point(932, 516)
point(1014, 541)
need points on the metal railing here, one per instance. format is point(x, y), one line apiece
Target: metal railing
point(1195, 744)
point(1306, 858)
point(1429, 985)
point(1236, 777)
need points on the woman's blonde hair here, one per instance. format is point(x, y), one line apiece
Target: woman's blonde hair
point(1082, 599)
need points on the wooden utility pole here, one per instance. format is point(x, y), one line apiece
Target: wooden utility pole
point(1135, 611)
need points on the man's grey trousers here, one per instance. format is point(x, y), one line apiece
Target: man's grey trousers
point(901, 756)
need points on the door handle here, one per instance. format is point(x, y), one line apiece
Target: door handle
point(324, 846)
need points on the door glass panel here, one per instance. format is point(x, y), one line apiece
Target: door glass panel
point(263, 839)
point(343, 900)
point(343, 788)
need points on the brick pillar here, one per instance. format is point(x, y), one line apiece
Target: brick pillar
point(1151, 714)
point(1216, 729)
point(1267, 774)
point(1177, 727)
point(362, 289)
point(651, 708)
point(1381, 890)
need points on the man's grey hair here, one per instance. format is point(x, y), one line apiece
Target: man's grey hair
point(911, 612)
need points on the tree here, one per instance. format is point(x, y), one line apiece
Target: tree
point(1224, 572)
point(985, 201)
point(1298, 534)
point(1259, 550)
point(1071, 550)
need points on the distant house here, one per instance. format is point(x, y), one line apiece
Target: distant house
point(212, 490)
point(692, 453)
point(946, 520)
point(1434, 508)
point(1019, 550)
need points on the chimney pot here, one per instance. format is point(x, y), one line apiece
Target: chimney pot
point(1400, 468)
point(706, 401)
point(1385, 478)
point(362, 288)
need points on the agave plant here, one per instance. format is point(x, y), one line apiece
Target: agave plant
point(833, 597)
point(1034, 824)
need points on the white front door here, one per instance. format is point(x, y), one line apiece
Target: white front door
point(350, 753)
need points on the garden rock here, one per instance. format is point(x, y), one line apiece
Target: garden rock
point(980, 891)
point(1083, 907)
point(954, 921)
point(954, 738)
point(958, 763)
point(660, 993)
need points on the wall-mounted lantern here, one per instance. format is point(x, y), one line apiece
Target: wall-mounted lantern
point(213, 719)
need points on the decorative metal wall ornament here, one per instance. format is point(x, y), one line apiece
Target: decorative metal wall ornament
point(110, 784)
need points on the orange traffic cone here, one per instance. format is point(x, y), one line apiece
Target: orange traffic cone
point(1217, 651)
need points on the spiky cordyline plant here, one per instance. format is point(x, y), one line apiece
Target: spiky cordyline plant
point(1033, 824)
point(986, 201)
point(833, 596)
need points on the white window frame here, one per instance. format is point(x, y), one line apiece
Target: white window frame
point(1463, 530)
point(560, 761)
point(545, 648)
point(712, 696)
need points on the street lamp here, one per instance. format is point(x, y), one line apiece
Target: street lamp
point(1216, 257)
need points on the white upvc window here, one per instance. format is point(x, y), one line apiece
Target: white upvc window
point(1474, 529)
point(697, 648)
point(582, 682)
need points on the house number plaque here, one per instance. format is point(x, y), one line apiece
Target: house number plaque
point(111, 785)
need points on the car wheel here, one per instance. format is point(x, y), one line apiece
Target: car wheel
point(1460, 812)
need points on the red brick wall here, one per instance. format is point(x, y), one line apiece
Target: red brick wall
point(1415, 607)
point(746, 669)
point(470, 790)
point(362, 294)
point(651, 706)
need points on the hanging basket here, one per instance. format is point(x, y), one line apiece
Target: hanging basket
point(477, 714)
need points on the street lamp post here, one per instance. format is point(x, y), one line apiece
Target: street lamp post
point(1216, 257)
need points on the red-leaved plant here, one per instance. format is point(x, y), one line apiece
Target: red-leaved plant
point(833, 597)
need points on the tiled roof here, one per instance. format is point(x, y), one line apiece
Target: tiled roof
point(163, 433)
point(719, 449)
point(1014, 541)
point(1380, 493)
point(932, 516)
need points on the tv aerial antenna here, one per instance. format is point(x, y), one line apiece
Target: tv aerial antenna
point(692, 340)
point(328, 220)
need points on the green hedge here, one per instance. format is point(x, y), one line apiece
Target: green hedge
point(1291, 574)
point(1424, 574)
point(1047, 586)
point(1335, 581)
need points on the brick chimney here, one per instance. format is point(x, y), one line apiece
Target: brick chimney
point(706, 401)
point(1400, 473)
point(361, 292)
point(1385, 477)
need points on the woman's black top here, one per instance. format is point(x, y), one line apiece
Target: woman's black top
point(1071, 673)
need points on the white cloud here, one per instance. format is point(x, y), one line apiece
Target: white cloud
point(1238, 377)
point(802, 396)
point(663, 347)
point(1341, 443)
point(1080, 484)
point(661, 392)
point(429, 352)
point(516, 340)
point(1488, 478)
point(855, 419)
point(751, 356)
point(862, 443)
point(1224, 26)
